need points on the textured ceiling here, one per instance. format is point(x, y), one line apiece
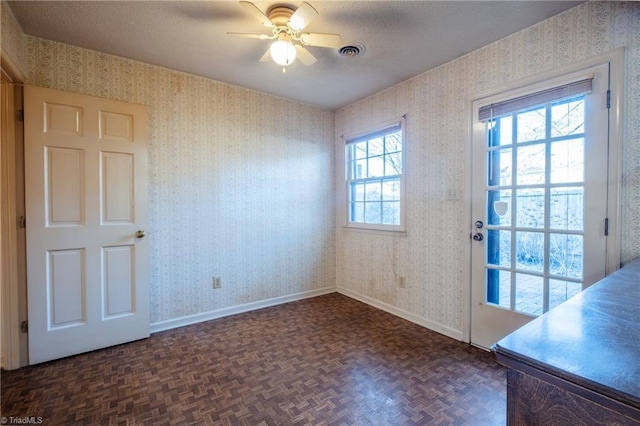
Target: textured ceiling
point(402, 38)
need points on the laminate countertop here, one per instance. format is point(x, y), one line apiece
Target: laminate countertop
point(592, 340)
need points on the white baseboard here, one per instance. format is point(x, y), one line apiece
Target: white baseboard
point(431, 325)
point(238, 309)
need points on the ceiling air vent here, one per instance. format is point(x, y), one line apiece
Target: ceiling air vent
point(351, 50)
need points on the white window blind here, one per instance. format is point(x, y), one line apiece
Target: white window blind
point(520, 103)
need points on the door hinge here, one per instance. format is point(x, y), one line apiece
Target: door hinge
point(24, 326)
point(606, 226)
point(608, 98)
point(22, 222)
point(20, 115)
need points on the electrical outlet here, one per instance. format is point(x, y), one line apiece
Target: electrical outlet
point(216, 282)
point(401, 282)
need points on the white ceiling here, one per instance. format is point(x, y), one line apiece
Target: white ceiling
point(402, 38)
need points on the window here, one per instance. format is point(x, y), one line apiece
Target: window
point(375, 183)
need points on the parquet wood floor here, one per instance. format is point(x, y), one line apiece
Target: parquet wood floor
point(329, 360)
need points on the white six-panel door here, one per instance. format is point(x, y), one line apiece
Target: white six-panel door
point(86, 206)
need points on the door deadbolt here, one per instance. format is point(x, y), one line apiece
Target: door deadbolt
point(479, 224)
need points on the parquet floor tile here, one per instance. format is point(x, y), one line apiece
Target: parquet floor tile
point(328, 360)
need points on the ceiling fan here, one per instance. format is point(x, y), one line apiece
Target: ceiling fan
point(286, 26)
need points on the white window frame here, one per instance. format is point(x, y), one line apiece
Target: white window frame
point(359, 137)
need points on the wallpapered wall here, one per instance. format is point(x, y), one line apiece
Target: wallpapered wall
point(240, 189)
point(432, 256)
point(240, 183)
point(11, 36)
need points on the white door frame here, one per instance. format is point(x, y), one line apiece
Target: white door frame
point(616, 60)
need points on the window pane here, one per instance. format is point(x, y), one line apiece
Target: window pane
point(393, 164)
point(499, 207)
point(499, 247)
point(499, 131)
point(393, 142)
point(531, 125)
point(530, 208)
point(499, 287)
point(499, 173)
point(531, 164)
point(560, 291)
point(529, 294)
point(360, 169)
point(357, 212)
point(506, 130)
point(372, 213)
point(373, 191)
point(391, 213)
point(567, 161)
point(360, 149)
point(566, 208)
point(376, 146)
point(567, 118)
point(565, 255)
point(357, 191)
point(530, 251)
point(391, 190)
point(376, 167)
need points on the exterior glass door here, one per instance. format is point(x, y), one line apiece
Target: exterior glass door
point(539, 209)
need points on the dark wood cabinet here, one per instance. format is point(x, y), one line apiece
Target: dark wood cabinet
point(579, 364)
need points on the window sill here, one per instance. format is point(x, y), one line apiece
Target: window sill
point(387, 232)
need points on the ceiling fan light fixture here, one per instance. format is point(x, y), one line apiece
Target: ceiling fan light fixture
point(283, 52)
point(286, 24)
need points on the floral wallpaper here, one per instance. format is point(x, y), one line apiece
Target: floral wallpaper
point(11, 36)
point(432, 257)
point(240, 182)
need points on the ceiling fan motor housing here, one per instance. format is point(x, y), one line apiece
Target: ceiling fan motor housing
point(280, 15)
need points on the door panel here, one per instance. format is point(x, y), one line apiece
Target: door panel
point(117, 279)
point(116, 185)
point(86, 190)
point(539, 204)
point(65, 287)
point(64, 181)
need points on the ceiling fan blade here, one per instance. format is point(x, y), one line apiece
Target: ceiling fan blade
point(249, 35)
point(305, 56)
point(302, 17)
point(267, 56)
point(320, 40)
point(253, 9)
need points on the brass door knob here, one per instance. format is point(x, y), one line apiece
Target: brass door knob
point(140, 234)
